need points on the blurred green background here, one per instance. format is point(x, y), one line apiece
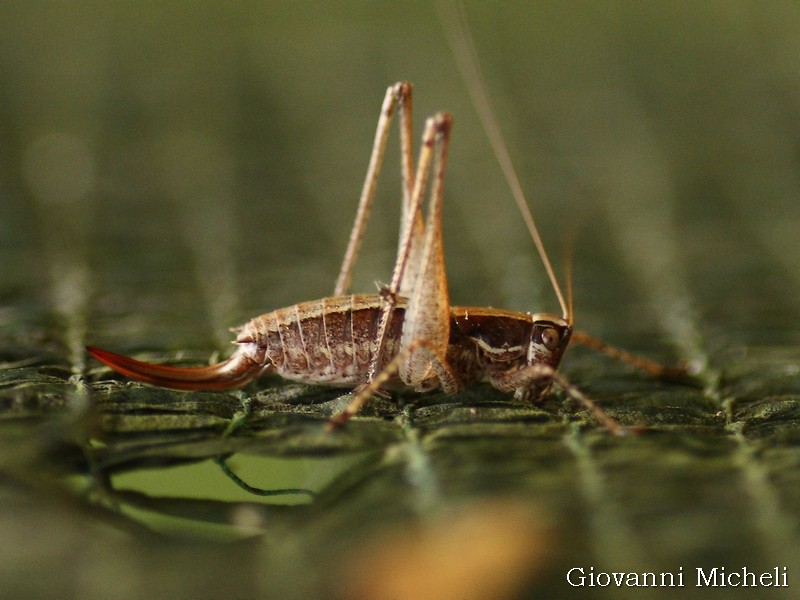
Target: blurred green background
point(171, 169)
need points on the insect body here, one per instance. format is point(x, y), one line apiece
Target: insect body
point(408, 336)
point(333, 342)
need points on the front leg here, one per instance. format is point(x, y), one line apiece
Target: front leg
point(533, 381)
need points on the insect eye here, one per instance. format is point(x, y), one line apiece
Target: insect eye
point(550, 338)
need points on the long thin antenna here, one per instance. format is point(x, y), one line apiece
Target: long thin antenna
point(458, 35)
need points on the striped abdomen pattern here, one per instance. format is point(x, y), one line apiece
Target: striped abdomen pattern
point(329, 341)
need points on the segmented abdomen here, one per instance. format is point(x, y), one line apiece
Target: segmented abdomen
point(329, 341)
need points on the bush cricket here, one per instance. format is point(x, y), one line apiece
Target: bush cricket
point(408, 336)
